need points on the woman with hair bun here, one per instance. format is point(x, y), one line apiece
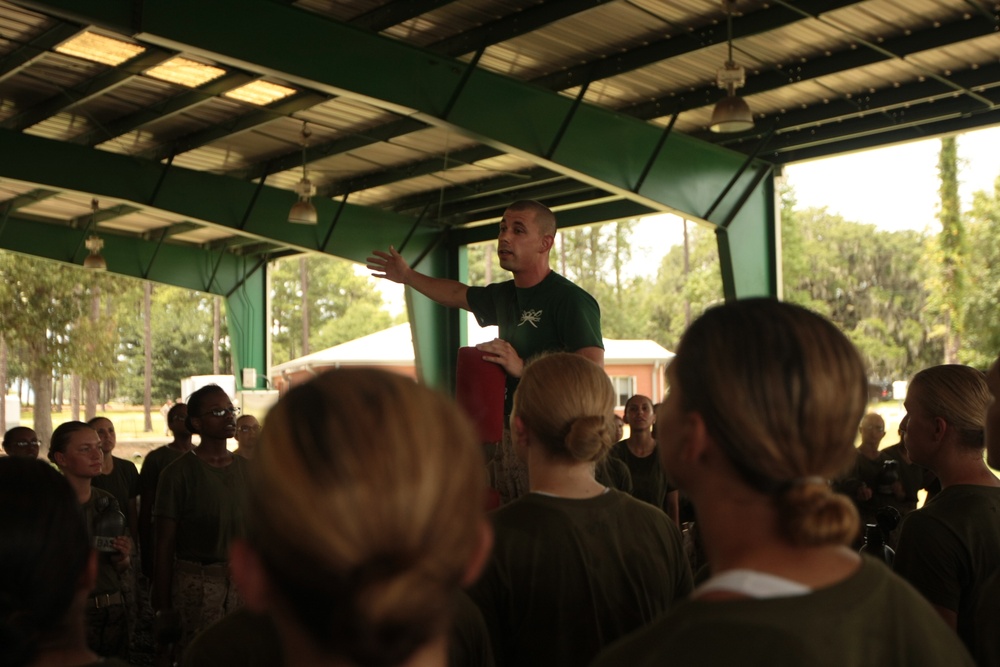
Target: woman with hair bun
point(365, 521)
point(47, 568)
point(576, 565)
point(764, 401)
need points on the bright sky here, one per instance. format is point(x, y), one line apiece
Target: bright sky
point(893, 188)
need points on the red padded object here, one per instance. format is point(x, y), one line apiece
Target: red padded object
point(479, 390)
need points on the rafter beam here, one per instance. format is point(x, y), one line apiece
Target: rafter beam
point(927, 130)
point(207, 199)
point(293, 159)
point(27, 199)
point(468, 193)
point(836, 63)
point(680, 42)
point(24, 55)
point(87, 90)
point(891, 106)
point(511, 26)
point(394, 13)
point(247, 121)
point(175, 105)
point(455, 160)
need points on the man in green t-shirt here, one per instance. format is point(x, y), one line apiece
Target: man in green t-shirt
point(538, 311)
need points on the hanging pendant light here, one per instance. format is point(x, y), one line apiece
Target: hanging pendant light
point(303, 211)
point(731, 113)
point(94, 243)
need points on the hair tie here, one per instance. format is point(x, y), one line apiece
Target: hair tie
point(808, 480)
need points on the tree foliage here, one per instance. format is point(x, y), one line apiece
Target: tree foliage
point(867, 281)
point(45, 315)
point(182, 338)
point(981, 334)
point(947, 256)
point(342, 305)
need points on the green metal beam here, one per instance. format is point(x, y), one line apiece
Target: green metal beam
point(211, 200)
point(184, 266)
point(246, 317)
point(598, 146)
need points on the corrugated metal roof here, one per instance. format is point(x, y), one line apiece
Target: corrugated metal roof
point(822, 77)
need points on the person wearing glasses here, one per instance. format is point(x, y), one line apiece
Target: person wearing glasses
point(199, 510)
point(21, 442)
point(149, 478)
point(247, 429)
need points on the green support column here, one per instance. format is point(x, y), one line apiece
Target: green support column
point(438, 332)
point(246, 317)
point(749, 246)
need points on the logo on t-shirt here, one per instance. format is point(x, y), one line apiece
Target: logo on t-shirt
point(532, 317)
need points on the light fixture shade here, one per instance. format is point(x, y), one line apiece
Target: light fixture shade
point(731, 114)
point(95, 261)
point(303, 212)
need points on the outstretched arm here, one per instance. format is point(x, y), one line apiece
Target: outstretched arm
point(391, 266)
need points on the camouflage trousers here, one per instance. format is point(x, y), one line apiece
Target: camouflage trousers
point(107, 628)
point(508, 474)
point(202, 595)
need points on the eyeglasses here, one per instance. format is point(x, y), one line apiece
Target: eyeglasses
point(28, 443)
point(222, 412)
point(248, 429)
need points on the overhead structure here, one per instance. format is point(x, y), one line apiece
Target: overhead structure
point(426, 118)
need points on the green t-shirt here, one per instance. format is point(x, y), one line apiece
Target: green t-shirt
point(553, 316)
point(208, 504)
point(949, 547)
point(871, 618)
point(568, 577)
point(122, 482)
point(154, 463)
point(649, 482)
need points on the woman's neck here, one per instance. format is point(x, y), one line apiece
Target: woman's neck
point(743, 532)
point(213, 451)
point(565, 479)
point(82, 487)
point(181, 443)
point(107, 464)
point(641, 443)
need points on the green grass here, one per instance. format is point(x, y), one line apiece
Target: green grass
point(128, 420)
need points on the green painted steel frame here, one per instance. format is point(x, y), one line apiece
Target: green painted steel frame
point(620, 154)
